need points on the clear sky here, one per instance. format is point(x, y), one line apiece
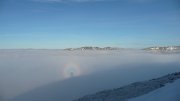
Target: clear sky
point(75, 23)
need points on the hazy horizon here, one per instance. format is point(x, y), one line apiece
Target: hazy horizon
point(87, 46)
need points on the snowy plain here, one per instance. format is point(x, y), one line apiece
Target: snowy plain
point(58, 75)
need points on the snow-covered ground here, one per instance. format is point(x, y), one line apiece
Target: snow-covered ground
point(133, 90)
point(171, 92)
point(73, 74)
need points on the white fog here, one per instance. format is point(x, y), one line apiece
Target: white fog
point(59, 75)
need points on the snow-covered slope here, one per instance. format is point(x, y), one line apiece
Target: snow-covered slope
point(135, 90)
point(171, 92)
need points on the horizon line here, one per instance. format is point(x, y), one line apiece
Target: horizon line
point(82, 47)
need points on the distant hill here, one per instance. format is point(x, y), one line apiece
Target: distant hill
point(165, 48)
point(93, 48)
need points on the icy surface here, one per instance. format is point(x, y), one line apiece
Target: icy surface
point(171, 92)
point(135, 90)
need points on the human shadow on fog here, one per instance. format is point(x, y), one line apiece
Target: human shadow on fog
point(76, 87)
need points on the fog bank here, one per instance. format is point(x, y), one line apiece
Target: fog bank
point(74, 74)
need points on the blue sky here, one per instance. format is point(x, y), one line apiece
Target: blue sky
point(74, 23)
